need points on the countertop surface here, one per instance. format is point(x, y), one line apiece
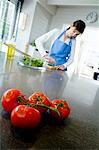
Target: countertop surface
point(79, 131)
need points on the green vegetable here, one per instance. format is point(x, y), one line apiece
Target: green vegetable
point(35, 62)
point(33, 43)
point(26, 60)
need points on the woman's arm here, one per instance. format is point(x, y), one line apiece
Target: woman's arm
point(43, 39)
point(71, 59)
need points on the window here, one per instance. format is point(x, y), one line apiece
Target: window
point(9, 15)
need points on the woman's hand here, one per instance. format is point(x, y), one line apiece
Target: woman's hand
point(51, 60)
point(60, 67)
point(48, 59)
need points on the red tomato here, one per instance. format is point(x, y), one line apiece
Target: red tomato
point(25, 117)
point(63, 109)
point(9, 99)
point(39, 98)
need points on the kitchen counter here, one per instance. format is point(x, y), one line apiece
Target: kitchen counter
point(79, 131)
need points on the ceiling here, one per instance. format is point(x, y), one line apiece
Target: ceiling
point(73, 2)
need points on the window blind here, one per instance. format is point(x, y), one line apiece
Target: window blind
point(16, 2)
point(9, 25)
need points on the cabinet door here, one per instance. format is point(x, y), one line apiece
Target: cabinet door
point(89, 60)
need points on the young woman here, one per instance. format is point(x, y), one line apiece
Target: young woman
point(62, 49)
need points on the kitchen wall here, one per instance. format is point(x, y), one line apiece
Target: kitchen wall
point(41, 22)
point(42, 19)
point(73, 2)
point(37, 22)
point(68, 14)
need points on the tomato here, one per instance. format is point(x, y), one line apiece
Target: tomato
point(39, 98)
point(9, 99)
point(25, 117)
point(62, 107)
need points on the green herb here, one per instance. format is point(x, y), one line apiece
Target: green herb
point(26, 60)
point(35, 62)
point(33, 43)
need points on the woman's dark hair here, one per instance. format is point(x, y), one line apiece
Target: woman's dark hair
point(80, 25)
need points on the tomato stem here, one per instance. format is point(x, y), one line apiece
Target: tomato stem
point(45, 106)
point(60, 105)
point(20, 100)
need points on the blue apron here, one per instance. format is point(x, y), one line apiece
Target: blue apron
point(60, 51)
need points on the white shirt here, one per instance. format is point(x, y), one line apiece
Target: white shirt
point(44, 43)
